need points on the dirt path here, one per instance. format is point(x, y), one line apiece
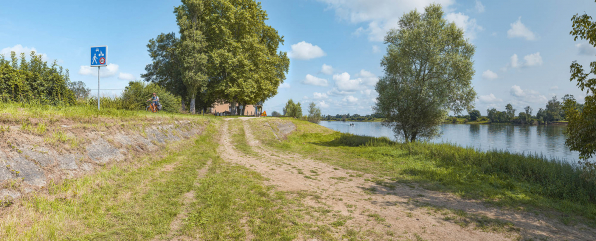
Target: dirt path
point(385, 214)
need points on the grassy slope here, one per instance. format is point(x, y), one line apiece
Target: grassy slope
point(504, 179)
point(138, 200)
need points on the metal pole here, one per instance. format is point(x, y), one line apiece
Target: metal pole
point(98, 98)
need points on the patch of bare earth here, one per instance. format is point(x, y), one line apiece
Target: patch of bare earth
point(385, 209)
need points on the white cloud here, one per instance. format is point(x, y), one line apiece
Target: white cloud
point(343, 82)
point(489, 99)
point(327, 69)
point(318, 95)
point(517, 91)
point(489, 75)
point(494, 34)
point(285, 86)
point(379, 15)
point(335, 91)
point(586, 49)
point(524, 97)
point(306, 51)
point(322, 104)
point(518, 29)
point(126, 76)
point(367, 78)
point(312, 80)
point(533, 59)
point(350, 99)
point(105, 72)
point(375, 49)
point(554, 87)
point(462, 21)
point(514, 61)
point(479, 7)
point(18, 49)
point(367, 92)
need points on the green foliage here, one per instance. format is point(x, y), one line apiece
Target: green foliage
point(314, 113)
point(34, 81)
point(474, 115)
point(553, 110)
point(275, 114)
point(293, 109)
point(192, 50)
point(428, 69)
point(581, 128)
point(510, 112)
point(137, 93)
point(79, 89)
point(226, 53)
point(165, 69)
point(582, 122)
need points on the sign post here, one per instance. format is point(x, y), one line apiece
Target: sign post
point(99, 58)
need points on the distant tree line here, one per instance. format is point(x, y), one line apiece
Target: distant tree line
point(552, 112)
point(354, 117)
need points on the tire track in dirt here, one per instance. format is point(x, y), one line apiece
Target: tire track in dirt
point(187, 199)
point(387, 216)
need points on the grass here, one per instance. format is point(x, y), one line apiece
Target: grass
point(498, 177)
point(138, 200)
point(236, 128)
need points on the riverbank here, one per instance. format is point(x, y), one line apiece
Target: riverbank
point(508, 180)
point(286, 179)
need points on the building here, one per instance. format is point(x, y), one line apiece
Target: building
point(226, 108)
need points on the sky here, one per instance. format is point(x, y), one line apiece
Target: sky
point(523, 48)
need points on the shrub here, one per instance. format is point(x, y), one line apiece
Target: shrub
point(33, 81)
point(137, 93)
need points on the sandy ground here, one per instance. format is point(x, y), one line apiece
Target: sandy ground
point(391, 210)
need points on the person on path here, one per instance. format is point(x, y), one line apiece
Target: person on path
point(155, 100)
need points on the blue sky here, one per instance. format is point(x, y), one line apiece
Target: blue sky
point(523, 48)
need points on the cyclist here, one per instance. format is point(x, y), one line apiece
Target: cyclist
point(155, 100)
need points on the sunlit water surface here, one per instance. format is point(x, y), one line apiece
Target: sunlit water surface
point(543, 140)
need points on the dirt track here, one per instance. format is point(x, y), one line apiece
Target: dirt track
point(392, 210)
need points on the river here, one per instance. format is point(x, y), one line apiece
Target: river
point(543, 140)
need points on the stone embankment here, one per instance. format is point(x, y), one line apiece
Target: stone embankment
point(31, 158)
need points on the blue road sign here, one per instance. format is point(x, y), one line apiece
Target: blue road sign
point(99, 56)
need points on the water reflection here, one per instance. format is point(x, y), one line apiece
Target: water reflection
point(542, 140)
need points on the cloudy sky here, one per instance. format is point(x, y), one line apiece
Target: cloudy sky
point(523, 48)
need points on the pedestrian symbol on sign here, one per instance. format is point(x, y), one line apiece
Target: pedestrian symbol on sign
point(99, 56)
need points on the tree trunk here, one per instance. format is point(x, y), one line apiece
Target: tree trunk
point(233, 108)
point(192, 104)
point(182, 106)
point(244, 109)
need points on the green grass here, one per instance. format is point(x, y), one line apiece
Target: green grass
point(134, 201)
point(236, 128)
point(498, 177)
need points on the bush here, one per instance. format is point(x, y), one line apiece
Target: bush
point(275, 114)
point(34, 81)
point(137, 93)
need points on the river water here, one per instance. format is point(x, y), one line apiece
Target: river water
point(543, 140)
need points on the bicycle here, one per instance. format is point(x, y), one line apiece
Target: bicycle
point(152, 107)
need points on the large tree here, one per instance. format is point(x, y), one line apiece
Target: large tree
point(581, 131)
point(193, 47)
point(244, 63)
point(165, 68)
point(428, 72)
